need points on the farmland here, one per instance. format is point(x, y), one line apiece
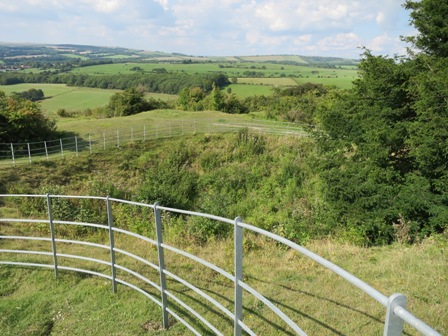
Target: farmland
point(245, 72)
point(71, 98)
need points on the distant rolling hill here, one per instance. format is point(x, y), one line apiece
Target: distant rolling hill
point(14, 52)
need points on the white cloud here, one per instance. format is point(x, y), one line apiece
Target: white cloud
point(327, 27)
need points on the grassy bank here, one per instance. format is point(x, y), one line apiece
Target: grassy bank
point(264, 179)
point(35, 303)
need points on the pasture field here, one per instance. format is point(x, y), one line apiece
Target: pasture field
point(76, 56)
point(247, 70)
point(71, 98)
point(268, 81)
point(247, 90)
point(340, 82)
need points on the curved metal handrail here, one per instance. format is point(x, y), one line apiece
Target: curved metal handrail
point(396, 313)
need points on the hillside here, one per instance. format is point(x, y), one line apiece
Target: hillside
point(22, 52)
point(208, 173)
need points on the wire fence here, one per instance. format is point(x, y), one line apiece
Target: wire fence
point(28, 152)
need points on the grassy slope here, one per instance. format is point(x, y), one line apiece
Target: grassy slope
point(35, 303)
point(161, 117)
point(71, 98)
point(317, 299)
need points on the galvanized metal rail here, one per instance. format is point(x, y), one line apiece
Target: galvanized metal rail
point(395, 315)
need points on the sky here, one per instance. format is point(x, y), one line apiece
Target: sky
point(335, 28)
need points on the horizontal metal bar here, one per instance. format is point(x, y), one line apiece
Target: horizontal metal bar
point(79, 242)
point(149, 296)
point(79, 197)
point(194, 312)
point(201, 293)
point(271, 306)
point(132, 203)
point(18, 263)
point(141, 277)
point(13, 220)
point(134, 235)
point(27, 252)
point(137, 258)
point(378, 296)
point(415, 322)
point(72, 256)
point(199, 214)
point(181, 320)
point(100, 226)
point(201, 261)
point(26, 238)
point(22, 195)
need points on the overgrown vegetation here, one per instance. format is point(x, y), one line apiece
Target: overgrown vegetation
point(22, 120)
point(383, 145)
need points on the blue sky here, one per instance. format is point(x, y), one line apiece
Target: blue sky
point(213, 28)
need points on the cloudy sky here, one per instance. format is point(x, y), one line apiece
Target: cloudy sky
point(213, 27)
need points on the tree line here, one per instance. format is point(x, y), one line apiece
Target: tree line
point(169, 83)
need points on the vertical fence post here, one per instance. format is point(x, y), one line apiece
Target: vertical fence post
point(46, 149)
point(110, 222)
point(104, 140)
point(90, 143)
point(394, 324)
point(159, 234)
point(29, 152)
point(53, 241)
point(12, 154)
point(62, 148)
point(76, 145)
point(238, 265)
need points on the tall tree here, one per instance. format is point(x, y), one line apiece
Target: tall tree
point(429, 17)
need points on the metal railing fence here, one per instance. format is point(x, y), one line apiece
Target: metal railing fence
point(28, 152)
point(395, 311)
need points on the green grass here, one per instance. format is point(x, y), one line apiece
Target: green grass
point(320, 302)
point(340, 82)
point(34, 302)
point(268, 81)
point(159, 117)
point(247, 90)
point(282, 74)
point(75, 56)
point(59, 96)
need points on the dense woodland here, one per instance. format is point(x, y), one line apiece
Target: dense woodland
point(380, 153)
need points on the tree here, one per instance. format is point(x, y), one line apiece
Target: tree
point(129, 102)
point(429, 18)
point(22, 121)
point(384, 144)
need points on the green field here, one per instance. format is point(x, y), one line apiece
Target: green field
point(267, 73)
point(75, 56)
point(340, 82)
point(268, 81)
point(72, 98)
point(247, 90)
